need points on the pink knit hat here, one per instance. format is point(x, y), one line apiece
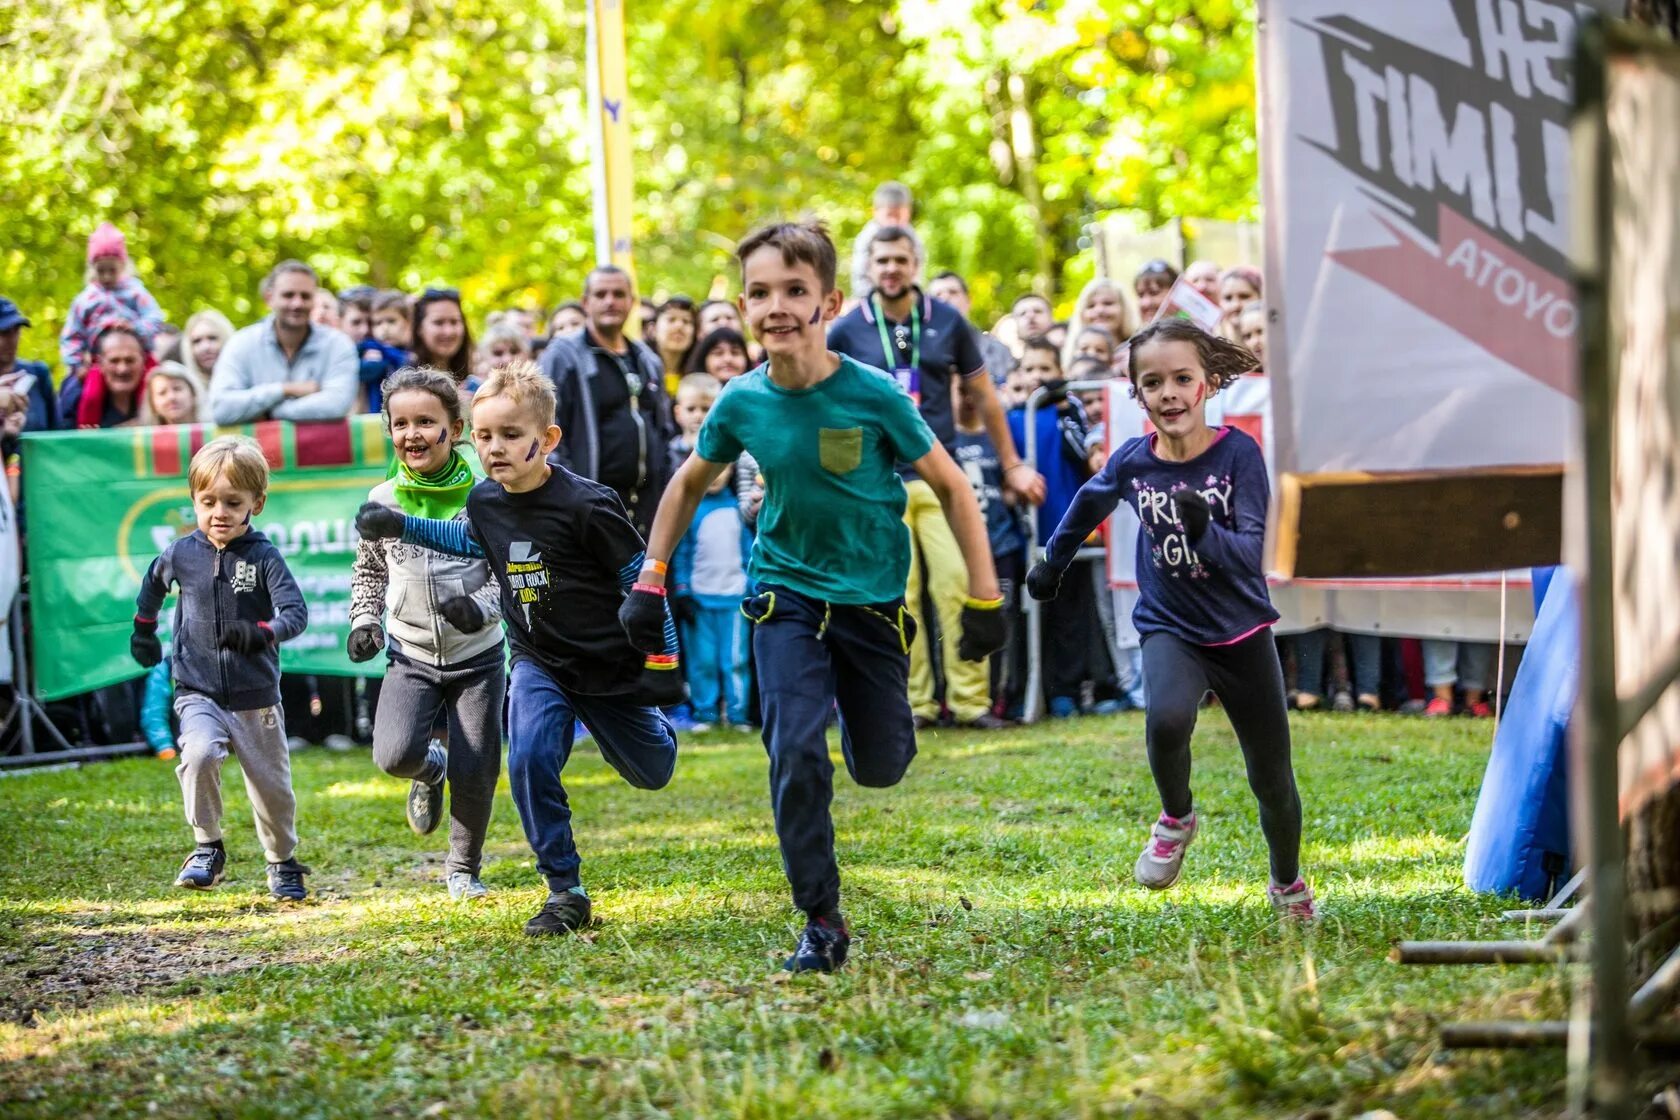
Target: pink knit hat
point(107, 241)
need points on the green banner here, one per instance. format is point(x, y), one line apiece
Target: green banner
point(102, 504)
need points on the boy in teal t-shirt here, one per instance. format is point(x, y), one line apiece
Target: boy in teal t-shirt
point(830, 562)
point(838, 534)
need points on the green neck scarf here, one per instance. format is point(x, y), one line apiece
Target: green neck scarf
point(440, 496)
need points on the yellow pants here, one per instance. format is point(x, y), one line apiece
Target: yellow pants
point(967, 683)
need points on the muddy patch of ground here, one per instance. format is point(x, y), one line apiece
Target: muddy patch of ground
point(83, 967)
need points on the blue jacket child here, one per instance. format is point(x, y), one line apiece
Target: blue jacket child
point(238, 602)
point(709, 580)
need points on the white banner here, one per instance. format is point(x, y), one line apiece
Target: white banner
point(1415, 161)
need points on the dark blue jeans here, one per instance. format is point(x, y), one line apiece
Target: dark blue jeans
point(1312, 665)
point(811, 657)
point(636, 741)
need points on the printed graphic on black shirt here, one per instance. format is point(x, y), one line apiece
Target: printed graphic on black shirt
point(526, 576)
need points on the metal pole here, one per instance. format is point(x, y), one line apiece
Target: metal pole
point(1032, 705)
point(20, 675)
point(1596, 730)
point(597, 136)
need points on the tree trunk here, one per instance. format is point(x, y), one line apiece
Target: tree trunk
point(1023, 142)
point(1653, 828)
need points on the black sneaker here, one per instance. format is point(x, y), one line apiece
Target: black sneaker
point(203, 869)
point(564, 912)
point(285, 880)
point(822, 946)
point(425, 807)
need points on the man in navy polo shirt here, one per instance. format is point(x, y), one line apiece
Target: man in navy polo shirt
point(930, 349)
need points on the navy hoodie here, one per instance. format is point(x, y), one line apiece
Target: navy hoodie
point(246, 581)
point(1213, 592)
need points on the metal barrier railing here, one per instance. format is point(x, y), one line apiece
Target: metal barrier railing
point(1032, 705)
point(27, 710)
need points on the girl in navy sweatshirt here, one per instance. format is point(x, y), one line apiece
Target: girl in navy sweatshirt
point(1203, 611)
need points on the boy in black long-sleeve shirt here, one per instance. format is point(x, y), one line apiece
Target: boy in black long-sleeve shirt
point(564, 553)
point(238, 603)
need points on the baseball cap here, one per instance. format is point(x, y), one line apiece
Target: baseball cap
point(10, 316)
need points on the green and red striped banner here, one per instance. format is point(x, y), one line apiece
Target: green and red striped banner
point(357, 442)
point(101, 504)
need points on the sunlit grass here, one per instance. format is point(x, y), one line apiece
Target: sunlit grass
point(1005, 966)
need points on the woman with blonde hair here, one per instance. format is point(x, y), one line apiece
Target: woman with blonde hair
point(174, 395)
point(1102, 303)
point(202, 341)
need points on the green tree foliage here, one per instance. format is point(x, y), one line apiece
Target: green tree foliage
point(407, 142)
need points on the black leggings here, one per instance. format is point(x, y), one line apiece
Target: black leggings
point(1248, 680)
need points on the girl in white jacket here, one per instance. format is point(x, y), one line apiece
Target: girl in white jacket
point(438, 617)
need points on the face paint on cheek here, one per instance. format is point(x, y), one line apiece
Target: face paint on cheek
point(532, 454)
point(443, 437)
point(247, 518)
point(816, 316)
point(1201, 393)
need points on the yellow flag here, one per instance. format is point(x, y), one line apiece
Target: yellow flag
point(609, 107)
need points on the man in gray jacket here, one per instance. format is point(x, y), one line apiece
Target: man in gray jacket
point(285, 367)
point(615, 419)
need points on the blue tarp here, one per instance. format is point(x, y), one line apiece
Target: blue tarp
point(1519, 837)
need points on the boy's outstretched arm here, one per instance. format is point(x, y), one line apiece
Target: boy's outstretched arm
point(143, 645)
point(982, 616)
point(643, 612)
point(454, 537)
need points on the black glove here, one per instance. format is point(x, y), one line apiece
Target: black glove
point(364, 642)
point(643, 617)
point(983, 629)
point(684, 608)
point(247, 637)
point(464, 613)
point(377, 522)
point(1193, 513)
point(1044, 582)
point(143, 645)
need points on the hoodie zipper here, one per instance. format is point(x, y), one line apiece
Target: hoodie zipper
point(221, 654)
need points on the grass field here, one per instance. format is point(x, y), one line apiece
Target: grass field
point(1006, 965)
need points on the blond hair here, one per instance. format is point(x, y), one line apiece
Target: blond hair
point(525, 385)
point(237, 457)
point(223, 327)
point(502, 330)
point(173, 371)
point(703, 383)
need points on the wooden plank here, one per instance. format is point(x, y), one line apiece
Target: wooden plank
point(1417, 523)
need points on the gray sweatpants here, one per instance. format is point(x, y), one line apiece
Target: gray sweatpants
point(472, 694)
point(209, 733)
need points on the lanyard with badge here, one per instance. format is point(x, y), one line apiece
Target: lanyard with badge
point(909, 377)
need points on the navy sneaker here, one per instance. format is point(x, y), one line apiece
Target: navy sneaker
point(203, 869)
point(1063, 707)
point(822, 946)
point(564, 912)
point(285, 880)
